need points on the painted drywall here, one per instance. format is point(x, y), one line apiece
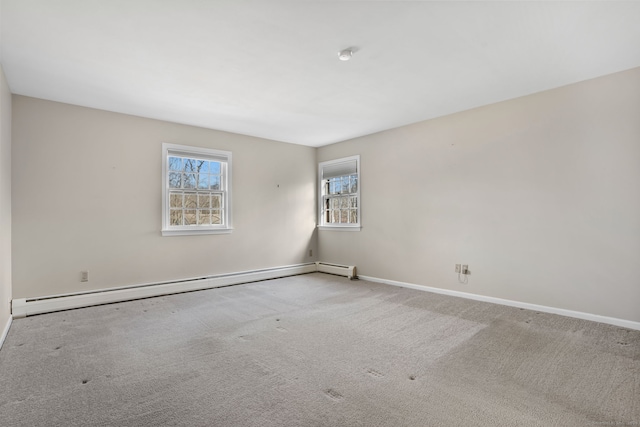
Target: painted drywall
point(5, 202)
point(87, 188)
point(539, 195)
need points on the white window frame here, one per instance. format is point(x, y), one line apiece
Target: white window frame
point(224, 157)
point(322, 195)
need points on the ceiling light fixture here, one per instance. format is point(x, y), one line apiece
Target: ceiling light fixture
point(345, 55)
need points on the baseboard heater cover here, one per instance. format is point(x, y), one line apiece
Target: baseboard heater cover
point(337, 269)
point(30, 306)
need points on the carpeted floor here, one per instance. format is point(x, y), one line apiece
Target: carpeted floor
point(316, 350)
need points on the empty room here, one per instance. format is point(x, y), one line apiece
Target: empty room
point(319, 213)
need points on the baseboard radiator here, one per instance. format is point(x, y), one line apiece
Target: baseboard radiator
point(31, 306)
point(340, 270)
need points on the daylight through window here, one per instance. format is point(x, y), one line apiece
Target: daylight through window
point(197, 187)
point(340, 193)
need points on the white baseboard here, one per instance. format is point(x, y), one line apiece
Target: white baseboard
point(562, 312)
point(30, 306)
point(5, 331)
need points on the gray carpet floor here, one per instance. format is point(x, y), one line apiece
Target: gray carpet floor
point(316, 350)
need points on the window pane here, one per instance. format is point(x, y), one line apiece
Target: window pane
point(335, 185)
point(189, 217)
point(204, 201)
point(200, 164)
point(335, 203)
point(335, 216)
point(175, 217)
point(353, 202)
point(353, 216)
point(344, 202)
point(345, 184)
point(344, 215)
point(175, 200)
point(189, 180)
point(174, 179)
point(203, 181)
point(214, 182)
point(216, 201)
point(190, 165)
point(190, 200)
point(175, 164)
point(204, 217)
point(354, 184)
point(214, 168)
point(216, 217)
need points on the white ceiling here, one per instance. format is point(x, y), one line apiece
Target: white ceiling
point(270, 68)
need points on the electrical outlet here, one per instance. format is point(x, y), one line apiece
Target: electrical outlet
point(457, 268)
point(465, 269)
point(84, 276)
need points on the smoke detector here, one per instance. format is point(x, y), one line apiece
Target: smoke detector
point(345, 55)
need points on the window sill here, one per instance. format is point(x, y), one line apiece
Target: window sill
point(339, 227)
point(195, 232)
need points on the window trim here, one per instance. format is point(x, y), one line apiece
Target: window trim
point(202, 153)
point(333, 226)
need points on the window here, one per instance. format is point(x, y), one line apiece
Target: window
point(339, 194)
point(196, 193)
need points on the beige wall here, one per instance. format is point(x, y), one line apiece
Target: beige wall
point(5, 201)
point(539, 195)
point(87, 196)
